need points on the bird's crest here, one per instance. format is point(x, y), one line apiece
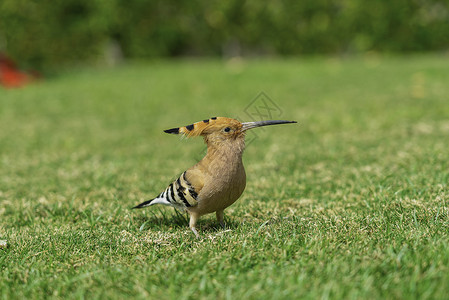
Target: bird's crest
point(204, 127)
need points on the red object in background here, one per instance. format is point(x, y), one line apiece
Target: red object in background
point(10, 76)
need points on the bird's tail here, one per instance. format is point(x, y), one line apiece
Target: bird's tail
point(144, 204)
point(163, 199)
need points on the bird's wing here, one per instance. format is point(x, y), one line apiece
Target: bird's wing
point(181, 193)
point(195, 179)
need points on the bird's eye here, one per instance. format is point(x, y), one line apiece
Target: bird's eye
point(227, 129)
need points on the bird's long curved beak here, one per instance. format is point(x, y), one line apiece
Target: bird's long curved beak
point(250, 125)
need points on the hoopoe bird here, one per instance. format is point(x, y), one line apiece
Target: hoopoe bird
point(218, 180)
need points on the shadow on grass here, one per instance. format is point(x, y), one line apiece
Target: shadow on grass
point(180, 220)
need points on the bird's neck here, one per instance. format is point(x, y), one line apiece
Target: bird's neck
point(228, 150)
point(225, 155)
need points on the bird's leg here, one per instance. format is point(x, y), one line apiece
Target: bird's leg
point(193, 218)
point(220, 218)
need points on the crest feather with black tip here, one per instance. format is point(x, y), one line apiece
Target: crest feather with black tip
point(202, 127)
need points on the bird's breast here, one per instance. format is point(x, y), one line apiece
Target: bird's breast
point(223, 186)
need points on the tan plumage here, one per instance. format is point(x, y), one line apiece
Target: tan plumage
point(219, 179)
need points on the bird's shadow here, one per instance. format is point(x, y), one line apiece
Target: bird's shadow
point(180, 220)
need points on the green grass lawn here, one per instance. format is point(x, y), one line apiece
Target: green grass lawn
point(351, 202)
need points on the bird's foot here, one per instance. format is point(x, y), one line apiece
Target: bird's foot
point(220, 218)
point(223, 225)
point(195, 232)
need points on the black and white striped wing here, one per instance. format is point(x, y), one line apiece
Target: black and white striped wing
point(180, 194)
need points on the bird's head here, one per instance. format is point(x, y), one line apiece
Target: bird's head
point(219, 130)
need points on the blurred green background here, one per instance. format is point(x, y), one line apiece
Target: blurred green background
point(44, 34)
point(350, 203)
